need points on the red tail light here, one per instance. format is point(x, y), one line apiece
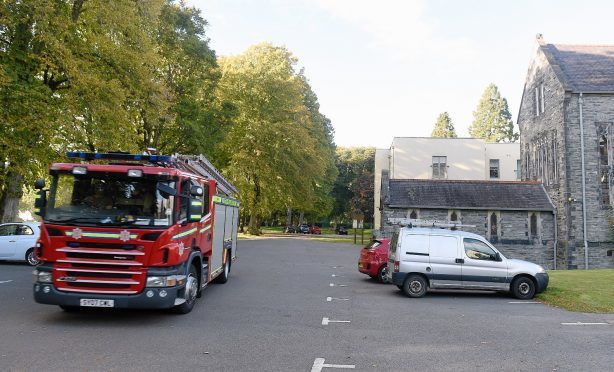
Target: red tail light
point(396, 266)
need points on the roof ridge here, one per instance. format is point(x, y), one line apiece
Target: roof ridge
point(469, 181)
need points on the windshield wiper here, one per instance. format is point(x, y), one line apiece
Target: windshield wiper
point(74, 219)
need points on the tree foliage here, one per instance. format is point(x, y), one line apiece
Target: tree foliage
point(444, 127)
point(492, 119)
point(273, 150)
point(353, 189)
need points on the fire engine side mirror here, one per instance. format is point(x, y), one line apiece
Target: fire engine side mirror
point(195, 210)
point(39, 184)
point(196, 190)
point(165, 190)
point(40, 203)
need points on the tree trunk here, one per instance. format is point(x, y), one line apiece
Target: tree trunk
point(301, 217)
point(254, 226)
point(289, 217)
point(9, 202)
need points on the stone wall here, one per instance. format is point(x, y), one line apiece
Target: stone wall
point(513, 239)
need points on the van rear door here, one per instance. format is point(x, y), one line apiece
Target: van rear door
point(446, 269)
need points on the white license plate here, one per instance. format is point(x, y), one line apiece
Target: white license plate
point(97, 303)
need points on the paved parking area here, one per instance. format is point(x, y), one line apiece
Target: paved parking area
point(300, 305)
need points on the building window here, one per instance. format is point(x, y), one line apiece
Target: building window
point(440, 168)
point(533, 225)
point(413, 214)
point(493, 226)
point(454, 216)
point(494, 168)
point(540, 101)
point(518, 169)
point(604, 170)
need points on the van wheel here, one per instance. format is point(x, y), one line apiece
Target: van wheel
point(415, 286)
point(523, 288)
point(381, 274)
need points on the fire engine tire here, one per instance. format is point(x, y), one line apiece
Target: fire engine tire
point(223, 278)
point(191, 291)
point(399, 286)
point(31, 258)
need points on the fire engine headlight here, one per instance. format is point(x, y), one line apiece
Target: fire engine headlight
point(165, 281)
point(43, 276)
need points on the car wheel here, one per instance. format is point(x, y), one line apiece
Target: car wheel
point(381, 274)
point(523, 288)
point(415, 286)
point(190, 293)
point(31, 258)
point(223, 278)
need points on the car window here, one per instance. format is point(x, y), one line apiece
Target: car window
point(7, 230)
point(374, 244)
point(478, 250)
point(24, 230)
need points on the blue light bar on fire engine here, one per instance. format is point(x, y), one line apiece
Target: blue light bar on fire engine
point(117, 156)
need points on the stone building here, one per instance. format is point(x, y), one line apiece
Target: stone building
point(445, 158)
point(517, 217)
point(566, 136)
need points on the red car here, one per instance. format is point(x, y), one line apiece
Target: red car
point(315, 230)
point(373, 259)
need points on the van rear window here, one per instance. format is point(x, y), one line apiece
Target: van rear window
point(393, 242)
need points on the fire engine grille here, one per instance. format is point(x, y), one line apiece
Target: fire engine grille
point(88, 267)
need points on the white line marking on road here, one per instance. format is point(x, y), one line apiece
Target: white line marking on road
point(337, 285)
point(337, 267)
point(329, 299)
point(325, 321)
point(337, 276)
point(524, 302)
point(5, 281)
point(581, 323)
point(318, 364)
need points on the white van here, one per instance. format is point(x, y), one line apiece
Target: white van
point(422, 258)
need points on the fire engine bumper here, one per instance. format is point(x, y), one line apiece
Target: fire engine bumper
point(148, 299)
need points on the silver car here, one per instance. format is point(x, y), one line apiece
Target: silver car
point(17, 241)
point(422, 258)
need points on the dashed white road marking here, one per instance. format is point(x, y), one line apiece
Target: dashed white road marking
point(337, 267)
point(524, 302)
point(5, 281)
point(318, 364)
point(581, 323)
point(337, 285)
point(329, 299)
point(326, 321)
point(337, 276)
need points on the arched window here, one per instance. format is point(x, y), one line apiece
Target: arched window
point(533, 225)
point(413, 215)
point(605, 171)
point(493, 225)
point(453, 216)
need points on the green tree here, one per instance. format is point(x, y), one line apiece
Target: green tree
point(444, 127)
point(492, 120)
point(351, 190)
point(269, 152)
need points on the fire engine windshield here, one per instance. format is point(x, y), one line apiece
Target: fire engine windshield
point(110, 199)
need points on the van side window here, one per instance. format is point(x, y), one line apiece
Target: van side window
point(478, 250)
point(416, 245)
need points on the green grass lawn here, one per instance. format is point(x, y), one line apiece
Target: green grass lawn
point(590, 291)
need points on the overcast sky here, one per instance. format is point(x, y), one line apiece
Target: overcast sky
point(386, 68)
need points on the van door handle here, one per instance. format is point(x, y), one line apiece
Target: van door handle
point(459, 260)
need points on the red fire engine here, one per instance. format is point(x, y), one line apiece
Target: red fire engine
point(134, 231)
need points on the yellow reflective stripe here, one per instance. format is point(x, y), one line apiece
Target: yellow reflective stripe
point(225, 201)
point(36, 210)
point(38, 196)
point(205, 229)
point(194, 216)
point(185, 233)
point(197, 203)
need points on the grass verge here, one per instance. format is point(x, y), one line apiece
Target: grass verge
point(588, 291)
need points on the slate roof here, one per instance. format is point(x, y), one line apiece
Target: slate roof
point(582, 68)
point(482, 195)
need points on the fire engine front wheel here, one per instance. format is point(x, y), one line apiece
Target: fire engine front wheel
point(191, 291)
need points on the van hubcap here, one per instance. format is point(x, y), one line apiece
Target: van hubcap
point(415, 286)
point(524, 288)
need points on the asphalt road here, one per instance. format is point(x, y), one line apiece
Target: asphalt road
point(269, 317)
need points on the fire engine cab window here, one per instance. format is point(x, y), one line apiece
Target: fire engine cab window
point(112, 199)
point(184, 199)
point(205, 199)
